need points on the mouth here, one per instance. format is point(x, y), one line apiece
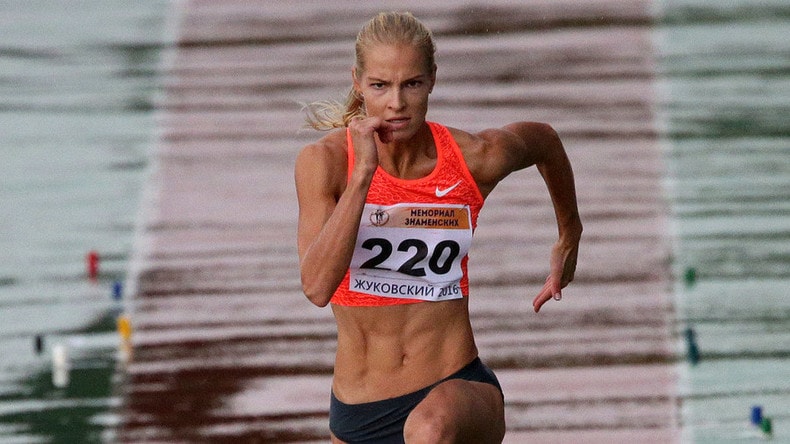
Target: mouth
point(398, 123)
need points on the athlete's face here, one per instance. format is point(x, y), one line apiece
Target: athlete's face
point(395, 85)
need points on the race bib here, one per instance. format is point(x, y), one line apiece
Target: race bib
point(411, 251)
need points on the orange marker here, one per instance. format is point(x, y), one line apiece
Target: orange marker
point(124, 328)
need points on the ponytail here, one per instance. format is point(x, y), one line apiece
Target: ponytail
point(330, 114)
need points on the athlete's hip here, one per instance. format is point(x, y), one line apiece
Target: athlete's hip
point(381, 369)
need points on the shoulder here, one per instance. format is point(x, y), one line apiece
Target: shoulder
point(493, 153)
point(487, 141)
point(324, 162)
point(520, 140)
point(330, 150)
point(490, 153)
point(332, 145)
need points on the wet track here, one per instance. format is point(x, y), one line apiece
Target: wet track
point(674, 113)
point(226, 349)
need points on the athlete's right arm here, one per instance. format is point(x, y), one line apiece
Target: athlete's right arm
point(329, 213)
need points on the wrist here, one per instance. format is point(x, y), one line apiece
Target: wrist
point(361, 178)
point(571, 231)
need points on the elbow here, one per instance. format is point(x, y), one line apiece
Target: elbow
point(319, 301)
point(545, 130)
point(550, 140)
point(318, 296)
point(539, 132)
point(319, 282)
point(544, 143)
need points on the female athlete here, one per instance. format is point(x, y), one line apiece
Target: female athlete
point(388, 203)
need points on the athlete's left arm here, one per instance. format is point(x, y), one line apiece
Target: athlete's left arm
point(538, 144)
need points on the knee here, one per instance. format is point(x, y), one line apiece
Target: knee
point(432, 425)
point(434, 420)
point(455, 413)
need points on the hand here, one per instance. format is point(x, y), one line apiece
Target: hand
point(563, 267)
point(363, 132)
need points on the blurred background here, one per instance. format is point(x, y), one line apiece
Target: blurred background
point(78, 81)
point(79, 84)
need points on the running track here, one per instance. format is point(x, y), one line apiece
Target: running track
point(226, 349)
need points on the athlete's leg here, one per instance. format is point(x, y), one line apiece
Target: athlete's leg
point(458, 411)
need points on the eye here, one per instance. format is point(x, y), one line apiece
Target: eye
point(414, 83)
point(377, 85)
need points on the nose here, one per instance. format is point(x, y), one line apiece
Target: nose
point(396, 99)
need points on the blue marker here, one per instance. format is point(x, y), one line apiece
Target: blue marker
point(757, 415)
point(117, 290)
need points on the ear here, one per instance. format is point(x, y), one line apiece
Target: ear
point(355, 80)
point(433, 78)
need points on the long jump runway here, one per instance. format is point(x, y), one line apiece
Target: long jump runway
point(226, 348)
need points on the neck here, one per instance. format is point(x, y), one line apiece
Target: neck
point(409, 159)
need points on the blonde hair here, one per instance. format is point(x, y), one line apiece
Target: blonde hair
point(389, 28)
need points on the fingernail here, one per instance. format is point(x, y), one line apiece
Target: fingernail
point(557, 296)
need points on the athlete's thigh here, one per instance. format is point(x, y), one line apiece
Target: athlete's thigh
point(466, 411)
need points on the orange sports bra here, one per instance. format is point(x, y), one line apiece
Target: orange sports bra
point(414, 235)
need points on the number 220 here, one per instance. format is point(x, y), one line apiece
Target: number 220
point(440, 262)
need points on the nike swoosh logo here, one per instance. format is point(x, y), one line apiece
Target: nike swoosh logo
point(442, 193)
